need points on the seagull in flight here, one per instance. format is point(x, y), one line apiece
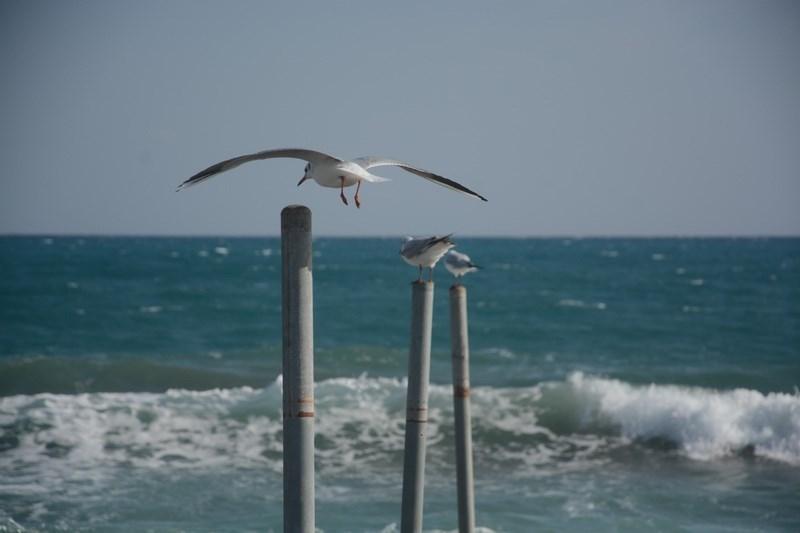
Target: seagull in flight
point(425, 252)
point(459, 264)
point(330, 171)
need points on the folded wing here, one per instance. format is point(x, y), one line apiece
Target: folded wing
point(415, 247)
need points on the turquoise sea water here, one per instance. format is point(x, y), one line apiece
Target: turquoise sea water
point(619, 384)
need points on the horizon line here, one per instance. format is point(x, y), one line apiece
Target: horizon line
point(399, 235)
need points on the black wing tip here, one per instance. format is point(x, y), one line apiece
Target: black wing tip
point(188, 183)
point(459, 187)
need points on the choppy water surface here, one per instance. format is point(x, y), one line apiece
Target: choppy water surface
point(619, 384)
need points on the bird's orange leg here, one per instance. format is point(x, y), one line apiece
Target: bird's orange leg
point(356, 198)
point(341, 193)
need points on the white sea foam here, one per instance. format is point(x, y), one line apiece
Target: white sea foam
point(550, 427)
point(705, 424)
point(569, 302)
point(221, 250)
point(503, 353)
point(73, 433)
point(394, 528)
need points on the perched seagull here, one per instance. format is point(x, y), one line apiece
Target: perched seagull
point(459, 264)
point(330, 171)
point(425, 252)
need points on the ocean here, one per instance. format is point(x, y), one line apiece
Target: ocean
point(618, 384)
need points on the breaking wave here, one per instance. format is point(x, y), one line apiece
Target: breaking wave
point(703, 423)
point(360, 421)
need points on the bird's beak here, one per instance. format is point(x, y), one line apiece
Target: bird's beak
point(304, 178)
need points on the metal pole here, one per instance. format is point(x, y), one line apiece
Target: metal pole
point(459, 338)
point(419, 363)
point(298, 370)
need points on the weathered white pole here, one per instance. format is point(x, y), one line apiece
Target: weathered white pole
point(419, 363)
point(459, 339)
point(298, 371)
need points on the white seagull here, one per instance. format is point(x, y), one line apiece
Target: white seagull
point(459, 264)
point(425, 252)
point(330, 171)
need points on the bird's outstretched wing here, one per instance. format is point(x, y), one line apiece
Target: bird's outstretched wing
point(369, 162)
point(311, 156)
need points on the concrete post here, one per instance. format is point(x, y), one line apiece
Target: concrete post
point(459, 338)
point(298, 370)
point(419, 362)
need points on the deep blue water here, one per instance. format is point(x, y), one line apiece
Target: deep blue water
point(620, 384)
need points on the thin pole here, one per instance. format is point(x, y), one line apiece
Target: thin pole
point(419, 363)
point(459, 338)
point(298, 370)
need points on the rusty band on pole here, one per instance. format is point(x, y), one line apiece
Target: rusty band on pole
point(419, 415)
point(300, 414)
point(460, 392)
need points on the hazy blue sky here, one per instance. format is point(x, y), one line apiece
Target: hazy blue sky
point(573, 118)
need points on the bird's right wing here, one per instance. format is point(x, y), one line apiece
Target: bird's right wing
point(311, 156)
point(369, 162)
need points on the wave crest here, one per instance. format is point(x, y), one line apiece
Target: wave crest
point(360, 422)
point(704, 423)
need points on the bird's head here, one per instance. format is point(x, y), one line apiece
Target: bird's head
point(405, 241)
point(306, 174)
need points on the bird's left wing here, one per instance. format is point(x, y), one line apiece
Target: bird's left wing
point(312, 156)
point(369, 162)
